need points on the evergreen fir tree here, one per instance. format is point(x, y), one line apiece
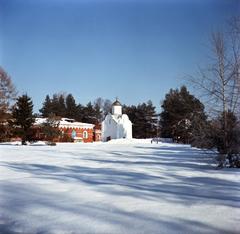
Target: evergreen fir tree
point(180, 109)
point(143, 118)
point(97, 113)
point(89, 114)
point(23, 117)
point(151, 119)
point(58, 107)
point(61, 106)
point(46, 110)
point(80, 113)
point(140, 122)
point(71, 107)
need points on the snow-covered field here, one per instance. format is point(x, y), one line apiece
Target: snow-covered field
point(116, 187)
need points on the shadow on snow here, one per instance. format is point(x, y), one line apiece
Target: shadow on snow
point(127, 174)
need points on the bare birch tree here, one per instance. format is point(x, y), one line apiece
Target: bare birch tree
point(7, 95)
point(7, 91)
point(234, 34)
point(219, 83)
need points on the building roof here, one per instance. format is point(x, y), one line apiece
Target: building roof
point(117, 103)
point(119, 119)
point(65, 123)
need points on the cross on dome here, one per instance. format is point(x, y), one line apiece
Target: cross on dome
point(117, 103)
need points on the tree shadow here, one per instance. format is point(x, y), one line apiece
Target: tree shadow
point(180, 175)
point(110, 217)
point(168, 185)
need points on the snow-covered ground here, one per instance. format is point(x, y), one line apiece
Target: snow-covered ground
point(116, 187)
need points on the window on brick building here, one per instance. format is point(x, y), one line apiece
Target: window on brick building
point(74, 134)
point(85, 134)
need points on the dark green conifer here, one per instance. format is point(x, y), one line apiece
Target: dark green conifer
point(46, 110)
point(180, 110)
point(23, 117)
point(71, 107)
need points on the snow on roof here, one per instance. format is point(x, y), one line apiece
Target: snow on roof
point(120, 118)
point(65, 123)
point(39, 121)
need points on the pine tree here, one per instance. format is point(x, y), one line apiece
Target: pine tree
point(151, 119)
point(140, 122)
point(55, 106)
point(80, 113)
point(23, 117)
point(97, 113)
point(46, 110)
point(180, 109)
point(71, 107)
point(89, 114)
point(61, 107)
point(144, 119)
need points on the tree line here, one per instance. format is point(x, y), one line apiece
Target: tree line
point(65, 106)
point(143, 116)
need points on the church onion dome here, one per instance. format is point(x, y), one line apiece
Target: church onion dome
point(117, 103)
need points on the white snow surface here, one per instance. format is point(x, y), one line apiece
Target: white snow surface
point(116, 187)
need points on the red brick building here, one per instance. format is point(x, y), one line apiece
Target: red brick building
point(74, 131)
point(97, 132)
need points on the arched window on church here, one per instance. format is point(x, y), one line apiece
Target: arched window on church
point(85, 135)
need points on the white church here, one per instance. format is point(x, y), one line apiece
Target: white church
point(116, 125)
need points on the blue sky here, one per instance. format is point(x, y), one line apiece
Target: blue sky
point(136, 50)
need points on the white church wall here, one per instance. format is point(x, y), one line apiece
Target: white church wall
point(109, 128)
point(120, 131)
point(127, 126)
point(116, 125)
